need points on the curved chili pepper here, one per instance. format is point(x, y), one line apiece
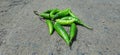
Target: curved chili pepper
point(62, 13)
point(73, 31)
point(61, 31)
point(50, 26)
point(53, 12)
point(78, 21)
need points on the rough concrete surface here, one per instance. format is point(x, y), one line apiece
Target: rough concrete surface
point(22, 33)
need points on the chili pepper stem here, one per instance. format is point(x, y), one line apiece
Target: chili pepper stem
point(36, 13)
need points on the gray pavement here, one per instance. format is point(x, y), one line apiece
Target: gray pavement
point(22, 33)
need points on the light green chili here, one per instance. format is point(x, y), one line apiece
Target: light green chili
point(50, 26)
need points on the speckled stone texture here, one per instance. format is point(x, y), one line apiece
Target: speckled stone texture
point(22, 33)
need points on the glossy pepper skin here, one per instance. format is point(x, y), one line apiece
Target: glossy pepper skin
point(50, 26)
point(62, 13)
point(65, 22)
point(68, 18)
point(73, 31)
point(61, 31)
point(53, 12)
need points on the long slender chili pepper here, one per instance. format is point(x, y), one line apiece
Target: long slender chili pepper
point(62, 13)
point(61, 31)
point(50, 26)
point(80, 22)
point(73, 31)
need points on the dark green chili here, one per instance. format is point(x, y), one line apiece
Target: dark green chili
point(73, 32)
point(50, 26)
point(61, 31)
point(65, 22)
point(62, 13)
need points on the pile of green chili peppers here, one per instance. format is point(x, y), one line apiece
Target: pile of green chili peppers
point(56, 18)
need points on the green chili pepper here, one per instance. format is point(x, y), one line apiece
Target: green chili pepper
point(61, 31)
point(65, 22)
point(45, 15)
point(62, 13)
point(73, 31)
point(78, 21)
point(50, 26)
point(53, 12)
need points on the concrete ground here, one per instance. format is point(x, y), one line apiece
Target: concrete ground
point(22, 33)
